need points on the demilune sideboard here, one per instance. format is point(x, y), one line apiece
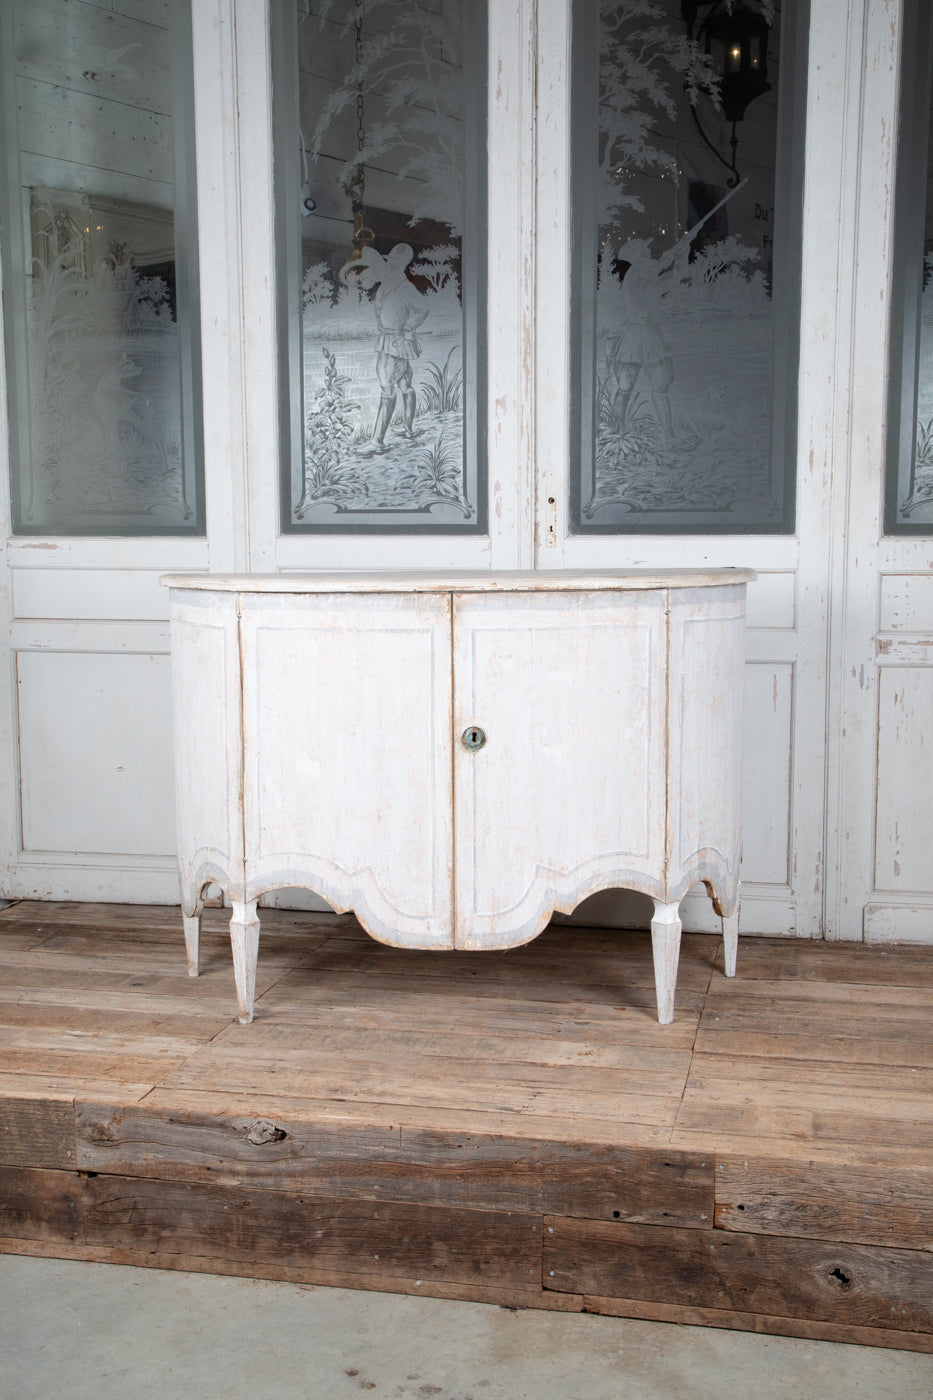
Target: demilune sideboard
point(457, 755)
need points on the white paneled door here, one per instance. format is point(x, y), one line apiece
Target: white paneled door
point(102, 483)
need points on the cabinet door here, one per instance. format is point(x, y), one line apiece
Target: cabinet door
point(566, 797)
point(346, 720)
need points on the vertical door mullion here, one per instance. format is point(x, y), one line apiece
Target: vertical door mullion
point(552, 289)
point(233, 126)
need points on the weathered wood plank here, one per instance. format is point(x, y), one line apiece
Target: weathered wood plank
point(189, 1024)
point(837, 1042)
point(468, 1291)
point(341, 1003)
point(807, 1102)
point(540, 1089)
point(37, 1131)
point(66, 1003)
point(65, 1086)
point(610, 972)
point(778, 1018)
point(129, 955)
point(400, 1163)
point(149, 918)
point(847, 1082)
point(850, 1284)
point(792, 959)
point(863, 1205)
point(756, 1322)
point(335, 1238)
point(20, 938)
point(450, 1118)
point(650, 1069)
point(572, 950)
point(766, 1125)
point(447, 982)
point(298, 998)
point(876, 999)
point(58, 1052)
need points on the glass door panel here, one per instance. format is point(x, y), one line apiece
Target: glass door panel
point(909, 483)
point(685, 281)
point(380, 135)
point(100, 262)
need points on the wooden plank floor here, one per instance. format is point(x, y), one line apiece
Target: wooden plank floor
point(509, 1127)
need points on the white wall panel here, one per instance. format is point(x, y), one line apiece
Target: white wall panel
point(86, 594)
point(904, 811)
point(769, 695)
point(95, 735)
point(772, 601)
point(906, 603)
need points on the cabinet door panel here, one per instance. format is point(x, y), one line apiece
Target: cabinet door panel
point(706, 715)
point(208, 742)
point(346, 717)
point(567, 795)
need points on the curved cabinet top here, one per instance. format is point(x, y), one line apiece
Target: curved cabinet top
point(460, 581)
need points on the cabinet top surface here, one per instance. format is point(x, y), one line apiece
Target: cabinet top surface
point(460, 580)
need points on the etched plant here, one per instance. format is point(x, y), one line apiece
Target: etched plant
point(921, 477)
point(923, 449)
point(442, 390)
point(317, 286)
point(435, 472)
point(330, 426)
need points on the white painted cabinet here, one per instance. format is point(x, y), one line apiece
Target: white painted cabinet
point(456, 756)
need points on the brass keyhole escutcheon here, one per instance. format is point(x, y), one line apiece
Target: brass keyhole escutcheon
point(473, 738)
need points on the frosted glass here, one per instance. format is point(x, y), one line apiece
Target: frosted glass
point(379, 161)
point(909, 489)
point(686, 283)
point(99, 268)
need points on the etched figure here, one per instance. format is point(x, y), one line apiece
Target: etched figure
point(640, 348)
point(400, 311)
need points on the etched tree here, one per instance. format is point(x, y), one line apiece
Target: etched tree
point(407, 65)
point(647, 67)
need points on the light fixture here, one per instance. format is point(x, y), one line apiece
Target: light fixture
point(735, 39)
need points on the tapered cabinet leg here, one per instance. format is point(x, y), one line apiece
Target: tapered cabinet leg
point(665, 947)
point(192, 941)
point(244, 940)
point(730, 939)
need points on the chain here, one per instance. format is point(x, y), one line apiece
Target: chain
point(362, 234)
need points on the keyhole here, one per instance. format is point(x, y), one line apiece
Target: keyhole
point(473, 738)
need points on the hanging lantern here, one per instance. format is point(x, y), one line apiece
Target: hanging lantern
point(736, 39)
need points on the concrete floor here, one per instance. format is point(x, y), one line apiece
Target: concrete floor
point(112, 1333)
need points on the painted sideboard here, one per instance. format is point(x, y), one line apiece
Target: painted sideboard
point(456, 756)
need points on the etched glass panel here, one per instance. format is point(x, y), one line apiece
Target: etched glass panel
point(687, 117)
point(380, 188)
point(100, 267)
point(909, 484)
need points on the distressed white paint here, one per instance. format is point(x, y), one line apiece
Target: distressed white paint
point(93, 732)
point(319, 725)
point(906, 603)
point(880, 721)
point(88, 594)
